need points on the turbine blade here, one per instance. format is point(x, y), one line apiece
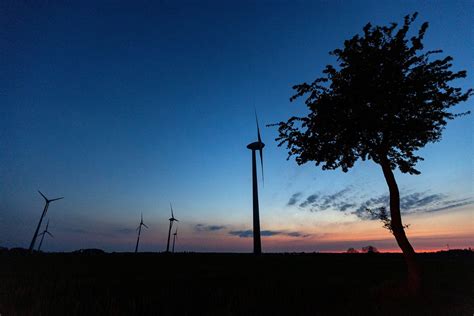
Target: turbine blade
point(145, 225)
point(56, 199)
point(50, 234)
point(171, 206)
point(44, 197)
point(258, 127)
point(260, 141)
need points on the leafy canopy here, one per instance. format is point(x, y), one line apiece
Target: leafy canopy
point(385, 100)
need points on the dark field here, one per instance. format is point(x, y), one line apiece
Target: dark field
point(231, 284)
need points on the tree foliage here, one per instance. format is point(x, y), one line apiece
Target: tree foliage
point(352, 250)
point(369, 249)
point(382, 215)
point(385, 100)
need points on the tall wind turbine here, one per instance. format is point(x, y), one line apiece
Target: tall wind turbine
point(33, 241)
point(175, 235)
point(172, 219)
point(139, 228)
point(258, 145)
point(45, 231)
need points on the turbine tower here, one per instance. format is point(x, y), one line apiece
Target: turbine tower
point(33, 241)
point(172, 219)
point(45, 231)
point(258, 145)
point(175, 235)
point(139, 229)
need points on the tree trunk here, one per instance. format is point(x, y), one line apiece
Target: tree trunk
point(414, 271)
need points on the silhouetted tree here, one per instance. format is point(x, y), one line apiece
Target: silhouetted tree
point(369, 249)
point(385, 100)
point(352, 250)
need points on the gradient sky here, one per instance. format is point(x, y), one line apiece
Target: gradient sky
point(122, 108)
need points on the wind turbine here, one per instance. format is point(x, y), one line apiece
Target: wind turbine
point(175, 235)
point(172, 219)
point(139, 228)
point(258, 145)
point(45, 231)
point(33, 241)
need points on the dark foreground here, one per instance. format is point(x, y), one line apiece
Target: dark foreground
point(231, 284)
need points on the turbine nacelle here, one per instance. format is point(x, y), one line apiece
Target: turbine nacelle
point(256, 146)
point(45, 210)
point(46, 232)
point(141, 222)
point(48, 200)
point(172, 218)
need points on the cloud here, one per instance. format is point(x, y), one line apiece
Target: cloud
point(328, 199)
point(270, 233)
point(266, 233)
point(297, 234)
point(345, 201)
point(294, 199)
point(319, 202)
point(345, 206)
point(452, 204)
point(372, 203)
point(208, 228)
point(242, 233)
point(310, 200)
point(412, 203)
point(419, 199)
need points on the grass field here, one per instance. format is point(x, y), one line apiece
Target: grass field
point(231, 284)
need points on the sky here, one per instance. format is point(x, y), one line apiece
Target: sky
point(124, 107)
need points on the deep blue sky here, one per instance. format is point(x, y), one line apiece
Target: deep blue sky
point(124, 107)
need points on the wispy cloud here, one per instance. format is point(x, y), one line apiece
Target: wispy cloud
point(346, 201)
point(448, 204)
point(294, 199)
point(310, 200)
point(241, 233)
point(372, 203)
point(416, 202)
point(320, 202)
point(208, 228)
point(267, 233)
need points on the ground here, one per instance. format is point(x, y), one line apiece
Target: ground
point(231, 284)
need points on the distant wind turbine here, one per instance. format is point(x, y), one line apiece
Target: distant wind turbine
point(175, 235)
point(258, 145)
point(172, 219)
point(45, 210)
point(139, 229)
point(45, 231)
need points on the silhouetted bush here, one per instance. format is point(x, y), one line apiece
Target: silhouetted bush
point(369, 249)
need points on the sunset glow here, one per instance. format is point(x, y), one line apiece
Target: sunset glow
point(125, 112)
